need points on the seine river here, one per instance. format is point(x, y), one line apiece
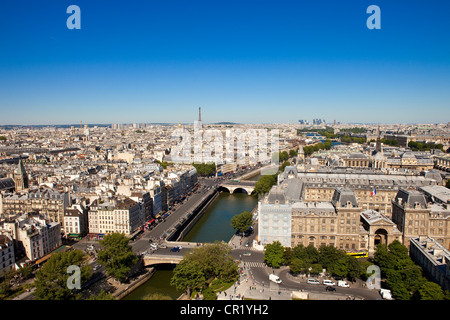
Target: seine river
point(213, 225)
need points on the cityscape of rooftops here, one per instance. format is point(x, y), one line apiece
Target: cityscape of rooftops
point(240, 150)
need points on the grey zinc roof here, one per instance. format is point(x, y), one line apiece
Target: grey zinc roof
point(7, 183)
point(294, 189)
point(343, 196)
point(276, 194)
point(411, 197)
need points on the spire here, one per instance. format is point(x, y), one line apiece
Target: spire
point(378, 144)
point(21, 168)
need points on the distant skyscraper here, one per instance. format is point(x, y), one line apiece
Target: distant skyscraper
point(199, 114)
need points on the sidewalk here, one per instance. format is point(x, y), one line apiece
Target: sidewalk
point(246, 288)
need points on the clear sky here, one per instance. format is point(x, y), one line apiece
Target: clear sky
point(251, 61)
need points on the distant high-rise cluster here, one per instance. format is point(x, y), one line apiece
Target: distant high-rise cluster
point(314, 122)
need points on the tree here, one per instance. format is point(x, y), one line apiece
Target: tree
point(430, 291)
point(241, 222)
point(403, 276)
point(285, 164)
point(51, 279)
point(293, 153)
point(202, 265)
point(188, 275)
point(5, 285)
point(102, 296)
point(205, 169)
point(316, 268)
point(329, 255)
point(117, 256)
point(273, 255)
point(264, 184)
point(298, 266)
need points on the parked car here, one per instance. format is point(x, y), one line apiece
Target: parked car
point(247, 254)
point(328, 282)
point(313, 281)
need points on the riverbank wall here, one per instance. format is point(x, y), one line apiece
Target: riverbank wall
point(126, 289)
point(182, 228)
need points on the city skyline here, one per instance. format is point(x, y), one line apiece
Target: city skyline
point(252, 62)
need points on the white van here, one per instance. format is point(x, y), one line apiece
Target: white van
point(274, 278)
point(328, 283)
point(344, 284)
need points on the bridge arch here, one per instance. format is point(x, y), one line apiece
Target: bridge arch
point(240, 190)
point(224, 189)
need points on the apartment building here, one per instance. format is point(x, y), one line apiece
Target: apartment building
point(7, 256)
point(122, 215)
point(47, 202)
point(34, 235)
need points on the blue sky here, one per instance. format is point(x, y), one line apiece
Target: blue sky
point(241, 61)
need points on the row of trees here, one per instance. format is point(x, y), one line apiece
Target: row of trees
point(424, 146)
point(310, 260)
point(349, 139)
point(327, 144)
point(205, 169)
point(404, 277)
point(115, 255)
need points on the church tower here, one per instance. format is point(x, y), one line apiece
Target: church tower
point(378, 143)
point(21, 177)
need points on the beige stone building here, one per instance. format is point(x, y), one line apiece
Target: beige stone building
point(47, 202)
point(418, 215)
point(341, 222)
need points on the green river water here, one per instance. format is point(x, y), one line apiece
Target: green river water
point(213, 225)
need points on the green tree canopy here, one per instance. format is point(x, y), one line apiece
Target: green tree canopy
point(403, 276)
point(203, 264)
point(117, 256)
point(205, 169)
point(188, 275)
point(264, 184)
point(273, 256)
point(430, 291)
point(242, 221)
point(51, 279)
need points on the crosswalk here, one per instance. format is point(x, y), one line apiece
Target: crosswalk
point(247, 248)
point(252, 264)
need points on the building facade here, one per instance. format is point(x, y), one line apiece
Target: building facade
point(115, 216)
point(433, 258)
point(7, 256)
point(418, 216)
point(34, 235)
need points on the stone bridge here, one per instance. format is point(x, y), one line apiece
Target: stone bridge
point(153, 259)
point(232, 187)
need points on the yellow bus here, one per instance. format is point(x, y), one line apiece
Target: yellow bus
point(358, 254)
